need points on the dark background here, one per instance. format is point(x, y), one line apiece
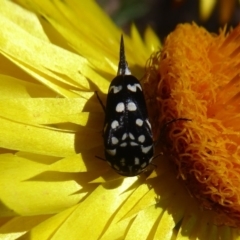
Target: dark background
point(164, 15)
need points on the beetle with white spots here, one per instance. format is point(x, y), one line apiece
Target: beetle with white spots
point(127, 131)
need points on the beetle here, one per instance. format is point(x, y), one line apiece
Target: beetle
point(127, 134)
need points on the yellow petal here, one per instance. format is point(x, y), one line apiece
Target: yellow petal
point(62, 71)
point(24, 19)
point(18, 226)
point(52, 111)
point(145, 220)
point(118, 230)
point(167, 222)
point(206, 7)
point(101, 52)
point(10, 87)
point(87, 42)
point(138, 44)
point(98, 206)
point(29, 138)
point(120, 221)
point(46, 229)
point(145, 201)
point(152, 42)
point(19, 176)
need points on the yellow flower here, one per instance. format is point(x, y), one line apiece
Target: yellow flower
point(51, 184)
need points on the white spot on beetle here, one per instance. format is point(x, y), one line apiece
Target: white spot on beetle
point(131, 106)
point(146, 149)
point(126, 71)
point(111, 152)
point(139, 122)
point(131, 136)
point(116, 89)
point(141, 138)
point(120, 107)
point(114, 140)
point(133, 144)
point(124, 136)
point(133, 88)
point(114, 124)
point(136, 161)
point(124, 144)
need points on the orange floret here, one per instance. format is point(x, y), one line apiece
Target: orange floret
point(197, 76)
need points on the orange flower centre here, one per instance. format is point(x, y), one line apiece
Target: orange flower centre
point(197, 76)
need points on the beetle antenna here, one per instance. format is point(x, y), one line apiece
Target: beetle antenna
point(122, 66)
